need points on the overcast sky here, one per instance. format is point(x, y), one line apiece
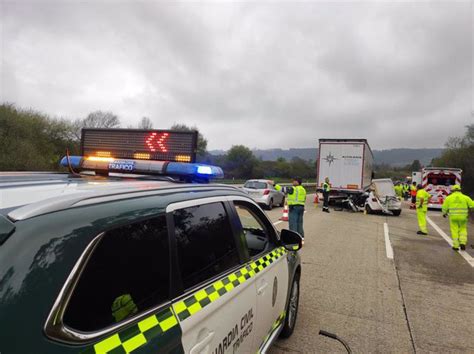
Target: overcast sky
point(262, 74)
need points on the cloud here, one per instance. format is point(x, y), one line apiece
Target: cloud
point(259, 74)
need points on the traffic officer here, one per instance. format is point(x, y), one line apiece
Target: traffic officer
point(457, 205)
point(296, 198)
point(399, 190)
point(413, 195)
point(406, 191)
point(421, 200)
point(326, 190)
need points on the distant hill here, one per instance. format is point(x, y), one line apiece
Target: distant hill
point(401, 157)
point(274, 154)
point(393, 157)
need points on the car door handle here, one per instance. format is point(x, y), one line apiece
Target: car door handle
point(202, 344)
point(261, 289)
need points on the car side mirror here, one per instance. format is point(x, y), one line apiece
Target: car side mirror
point(292, 241)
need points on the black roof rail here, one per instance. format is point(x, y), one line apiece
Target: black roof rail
point(6, 229)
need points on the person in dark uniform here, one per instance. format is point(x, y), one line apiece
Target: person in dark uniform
point(326, 190)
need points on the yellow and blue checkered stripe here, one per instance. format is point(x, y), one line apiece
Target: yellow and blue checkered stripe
point(200, 299)
point(138, 335)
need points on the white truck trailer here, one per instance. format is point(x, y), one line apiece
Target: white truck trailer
point(348, 163)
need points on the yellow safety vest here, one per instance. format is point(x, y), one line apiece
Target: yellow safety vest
point(426, 197)
point(326, 187)
point(398, 190)
point(457, 206)
point(123, 307)
point(297, 195)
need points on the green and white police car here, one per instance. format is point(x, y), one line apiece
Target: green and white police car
point(142, 263)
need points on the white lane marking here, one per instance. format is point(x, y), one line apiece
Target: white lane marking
point(441, 232)
point(388, 245)
point(448, 239)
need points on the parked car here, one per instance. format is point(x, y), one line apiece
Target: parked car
point(131, 265)
point(264, 193)
point(140, 255)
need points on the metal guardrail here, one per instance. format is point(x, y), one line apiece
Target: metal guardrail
point(282, 184)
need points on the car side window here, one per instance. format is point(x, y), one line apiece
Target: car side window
point(205, 243)
point(255, 231)
point(127, 273)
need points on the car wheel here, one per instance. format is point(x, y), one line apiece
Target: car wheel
point(368, 209)
point(282, 204)
point(292, 309)
point(270, 204)
point(396, 212)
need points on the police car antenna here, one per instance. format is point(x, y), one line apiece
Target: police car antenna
point(71, 170)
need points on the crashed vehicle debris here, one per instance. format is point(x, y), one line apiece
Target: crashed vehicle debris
point(382, 198)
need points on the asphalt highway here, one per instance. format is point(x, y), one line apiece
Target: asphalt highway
point(371, 280)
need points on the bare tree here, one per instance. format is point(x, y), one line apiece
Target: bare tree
point(97, 119)
point(145, 123)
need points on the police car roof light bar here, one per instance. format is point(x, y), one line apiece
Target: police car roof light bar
point(192, 171)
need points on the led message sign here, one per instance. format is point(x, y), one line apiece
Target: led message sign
point(161, 145)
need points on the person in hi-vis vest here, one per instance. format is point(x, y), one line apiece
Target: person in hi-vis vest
point(326, 190)
point(296, 198)
point(421, 199)
point(457, 206)
point(413, 191)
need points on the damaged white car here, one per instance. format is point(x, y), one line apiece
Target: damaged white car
point(382, 198)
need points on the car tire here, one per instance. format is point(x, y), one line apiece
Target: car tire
point(396, 212)
point(368, 209)
point(292, 309)
point(282, 204)
point(270, 204)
